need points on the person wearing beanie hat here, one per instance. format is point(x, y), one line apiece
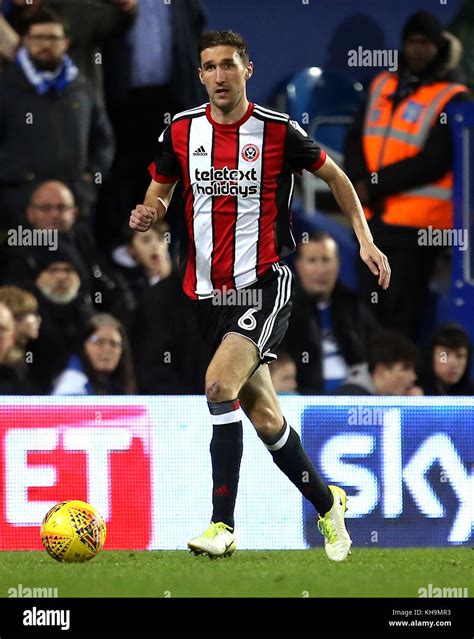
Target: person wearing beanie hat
point(426, 24)
point(398, 154)
point(65, 253)
point(63, 306)
point(423, 44)
point(52, 212)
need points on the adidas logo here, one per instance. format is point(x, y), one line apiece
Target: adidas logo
point(200, 151)
point(222, 491)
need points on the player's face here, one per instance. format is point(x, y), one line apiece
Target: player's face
point(449, 364)
point(318, 267)
point(224, 74)
point(419, 52)
point(104, 349)
point(397, 379)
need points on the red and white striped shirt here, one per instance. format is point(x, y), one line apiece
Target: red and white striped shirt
point(238, 185)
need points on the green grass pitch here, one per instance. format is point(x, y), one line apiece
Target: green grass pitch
point(308, 573)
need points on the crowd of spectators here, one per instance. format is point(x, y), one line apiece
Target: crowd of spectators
point(88, 306)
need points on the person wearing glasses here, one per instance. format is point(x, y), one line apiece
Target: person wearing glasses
point(92, 23)
point(64, 308)
point(103, 364)
point(51, 124)
point(52, 208)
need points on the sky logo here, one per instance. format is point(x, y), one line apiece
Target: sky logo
point(402, 466)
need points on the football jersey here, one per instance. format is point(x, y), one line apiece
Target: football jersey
point(238, 186)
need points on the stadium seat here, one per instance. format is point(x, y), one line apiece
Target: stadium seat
point(319, 93)
point(324, 101)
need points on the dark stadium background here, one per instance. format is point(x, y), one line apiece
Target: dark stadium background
point(284, 37)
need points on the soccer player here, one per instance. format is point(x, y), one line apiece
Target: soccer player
point(237, 161)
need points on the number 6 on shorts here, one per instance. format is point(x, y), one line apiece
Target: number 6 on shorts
point(248, 321)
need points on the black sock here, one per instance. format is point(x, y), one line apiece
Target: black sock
point(290, 457)
point(226, 453)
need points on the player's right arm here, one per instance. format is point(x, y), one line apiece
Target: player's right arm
point(165, 171)
point(156, 203)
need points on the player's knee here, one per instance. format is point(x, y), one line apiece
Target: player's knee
point(219, 391)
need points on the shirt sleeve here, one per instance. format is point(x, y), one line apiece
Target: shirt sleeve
point(165, 167)
point(301, 151)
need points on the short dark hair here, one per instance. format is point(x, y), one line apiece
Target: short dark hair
point(451, 335)
point(390, 348)
point(316, 236)
point(224, 38)
point(47, 15)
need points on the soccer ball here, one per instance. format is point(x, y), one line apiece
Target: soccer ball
point(73, 531)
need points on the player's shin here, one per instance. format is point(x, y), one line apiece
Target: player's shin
point(226, 454)
point(290, 457)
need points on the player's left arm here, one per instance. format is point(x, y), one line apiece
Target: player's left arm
point(350, 205)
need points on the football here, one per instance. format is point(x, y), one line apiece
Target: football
point(73, 531)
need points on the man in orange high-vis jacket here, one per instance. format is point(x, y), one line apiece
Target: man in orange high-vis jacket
point(399, 156)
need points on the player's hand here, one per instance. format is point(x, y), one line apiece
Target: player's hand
point(142, 218)
point(377, 262)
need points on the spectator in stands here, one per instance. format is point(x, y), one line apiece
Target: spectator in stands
point(24, 308)
point(104, 363)
point(90, 23)
point(283, 374)
point(52, 207)
point(63, 308)
point(66, 134)
point(170, 356)
point(147, 258)
point(7, 332)
point(10, 383)
point(150, 75)
point(329, 327)
point(399, 156)
point(391, 369)
point(447, 363)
